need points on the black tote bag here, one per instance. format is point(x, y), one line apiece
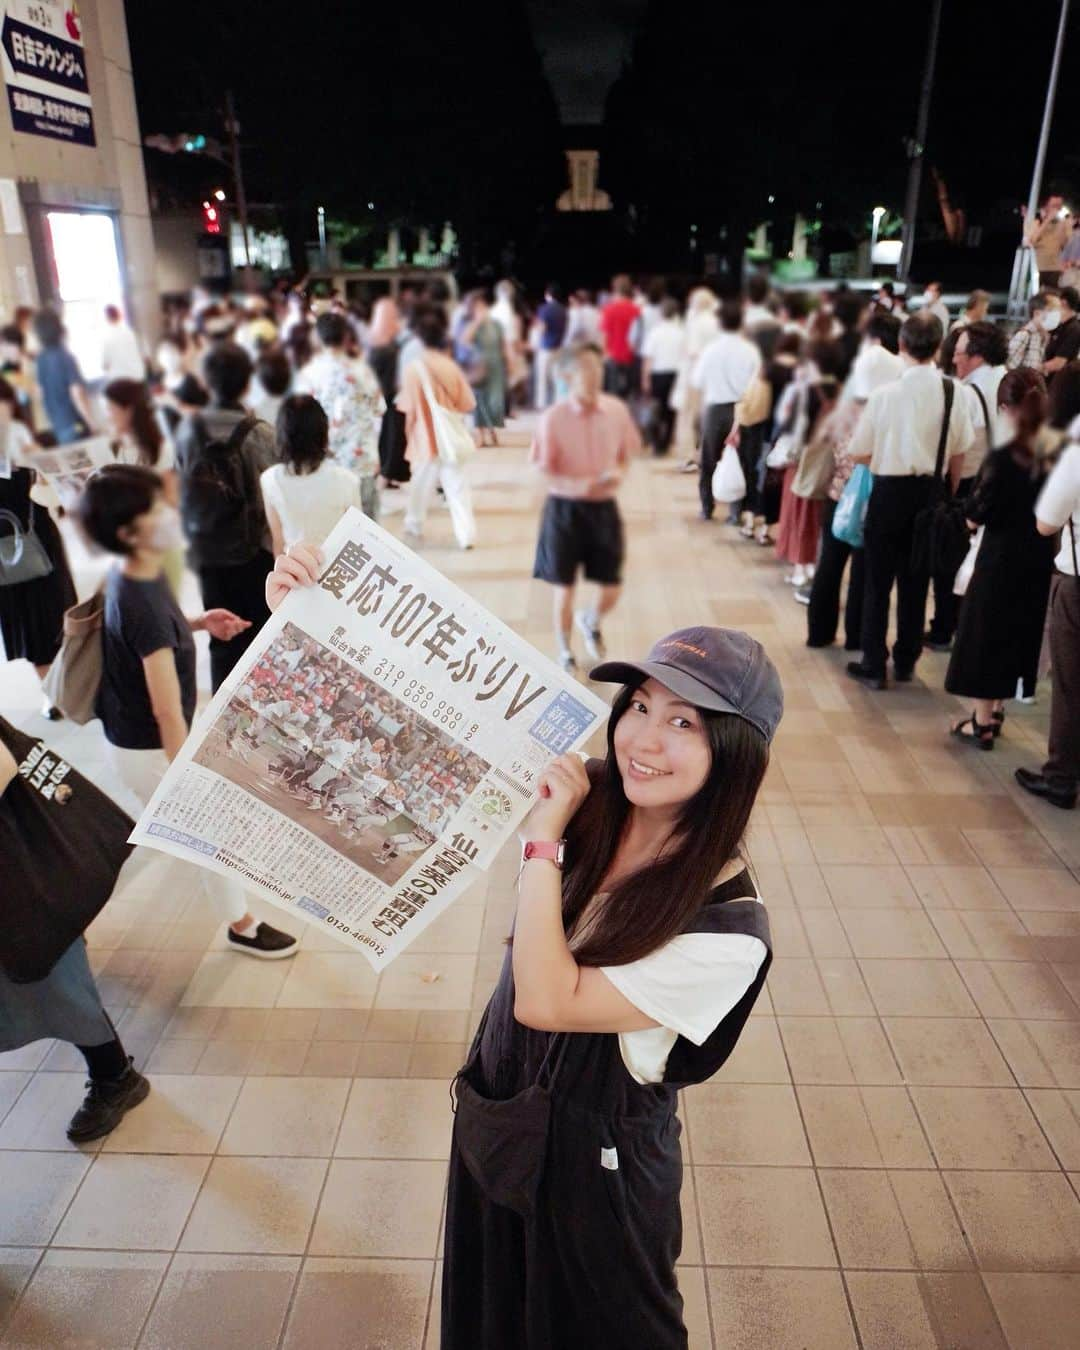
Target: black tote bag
point(62, 844)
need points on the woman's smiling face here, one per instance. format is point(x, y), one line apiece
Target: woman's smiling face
point(661, 748)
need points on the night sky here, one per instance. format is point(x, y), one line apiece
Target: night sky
point(435, 114)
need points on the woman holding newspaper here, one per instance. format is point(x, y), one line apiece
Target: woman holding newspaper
point(639, 948)
point(147, 696)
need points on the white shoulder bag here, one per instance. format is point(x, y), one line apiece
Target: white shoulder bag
point(453, 439)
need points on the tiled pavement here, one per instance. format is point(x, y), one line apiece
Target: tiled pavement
point(890, 1160)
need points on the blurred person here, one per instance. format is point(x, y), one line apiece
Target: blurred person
point(139, 438)
point(759, 313)
point(650, 301)
point(823, 597)
point(172, 360)
point(1065, 398)
point(506, 314)
point(551, 319)
point(64, 392)
point(1063, 344)
point(617, 319)
point(220, 452)
point(273, 378)
point(979, 362)
point(795, 313)
point(489, 361)
point(898, 435)
point(147, 697)
point(662, 353)
point(799, 531)
point(583, 321)
point(1004, 610)
point(1058, 509)
point(850, 311)
point(307, 493)
point(583, 446)
point(778, 374)
point(257, 330)
point(885, 298)
point(17, 368)
point(932, 303)
point(451, 390)
point(1027, 346)
point(1070, 257)
point(352, 400)
point(976, 309)
point(701, 326)
point(1047, 234)
point(723, 373)
point(64, 1003)
point(384, 337)
point(121, 350)
point(31, 612)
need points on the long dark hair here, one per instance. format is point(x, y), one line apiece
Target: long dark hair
point(652, 905)
point(145, 432)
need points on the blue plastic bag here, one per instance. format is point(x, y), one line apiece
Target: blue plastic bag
point(850, 514)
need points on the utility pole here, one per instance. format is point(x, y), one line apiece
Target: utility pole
point(1024, 263)
point(238, 178)
point(918, 145)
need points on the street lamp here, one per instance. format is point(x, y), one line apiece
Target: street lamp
point(322, 236)
point(877, 213)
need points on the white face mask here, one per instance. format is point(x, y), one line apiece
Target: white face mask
point(1050, 319)
point(167, 533)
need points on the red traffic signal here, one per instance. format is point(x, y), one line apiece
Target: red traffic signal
point(211, 218)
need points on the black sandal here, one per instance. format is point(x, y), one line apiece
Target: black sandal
point(997, 721)
point(980, 736)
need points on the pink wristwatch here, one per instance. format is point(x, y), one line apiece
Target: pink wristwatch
point(550, 849)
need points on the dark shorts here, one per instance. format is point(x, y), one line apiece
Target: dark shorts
point(579, 534)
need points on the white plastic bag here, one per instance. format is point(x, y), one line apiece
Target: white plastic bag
point(967, 567)
point(728, 480)
point(453, 439)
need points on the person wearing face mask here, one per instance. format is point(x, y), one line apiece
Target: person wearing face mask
point(1001, 619)
point(1027, 346)
point(147, 697)
point(1063, 345)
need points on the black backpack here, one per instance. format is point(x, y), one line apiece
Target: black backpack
point(220, 498)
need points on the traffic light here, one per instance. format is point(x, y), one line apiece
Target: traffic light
point(211, 217)
point(195, 143)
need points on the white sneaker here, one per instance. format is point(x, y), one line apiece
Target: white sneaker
point(413, 531)
point(590, 633)
point(568, 660)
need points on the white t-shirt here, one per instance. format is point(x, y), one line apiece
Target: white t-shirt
point(665, 346)
point(688, 986)
point(309, 505)
point(127, 452)
point(725, 369)
point(1059, 503)
point(120, 354)
point(16, 447)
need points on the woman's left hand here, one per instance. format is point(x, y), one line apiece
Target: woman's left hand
point(223, 624)
point(563, 786)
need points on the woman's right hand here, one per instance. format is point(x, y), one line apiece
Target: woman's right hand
point(298, 566)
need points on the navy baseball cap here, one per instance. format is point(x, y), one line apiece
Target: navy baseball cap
point(718, 669)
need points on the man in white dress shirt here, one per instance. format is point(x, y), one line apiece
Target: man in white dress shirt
point(723, 373)
point(121, 358)
point(898, 436)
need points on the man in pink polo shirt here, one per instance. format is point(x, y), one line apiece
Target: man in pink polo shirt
point(582, 446)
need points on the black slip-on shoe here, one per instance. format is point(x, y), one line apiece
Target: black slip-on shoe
point(268, 944)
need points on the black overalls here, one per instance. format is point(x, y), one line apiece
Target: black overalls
point(569, 1239)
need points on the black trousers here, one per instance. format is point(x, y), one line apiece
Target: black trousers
point(620, 378)
point(890, 520)
point(823, 616)
point(663, 422)
point(715, 428)
point(751, 443)
point(946, 604)
point(241, 589)
point(1062, 767)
